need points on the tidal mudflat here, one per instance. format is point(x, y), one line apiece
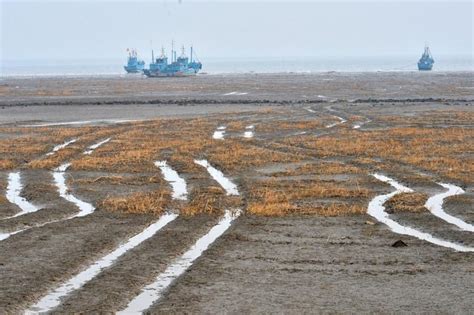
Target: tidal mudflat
point(331, 192)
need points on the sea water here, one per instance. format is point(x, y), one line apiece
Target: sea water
point(241, 65)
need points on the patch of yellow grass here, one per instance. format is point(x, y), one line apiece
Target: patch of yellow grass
point(138, 203)
point(407, 202)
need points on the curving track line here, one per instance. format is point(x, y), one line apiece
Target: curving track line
point(154, 291)
point(377, 210)
point(53, 298)
point(95, 146)
point(61, 146)
point(435, 205)
point(13, 196)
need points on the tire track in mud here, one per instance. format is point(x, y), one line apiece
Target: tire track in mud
point(91, 148)
point(114, 287)
point(151, 293)
point(360, 124)
point(435, 205)
point(377, 210)
point(61, 146)
point(49, 302)
point(341, 120)
point(15, 188)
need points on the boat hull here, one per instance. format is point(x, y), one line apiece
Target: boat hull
point(133, 69)
point(159, 74)
point(425, 67)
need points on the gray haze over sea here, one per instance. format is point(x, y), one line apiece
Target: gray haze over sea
point(67, 37)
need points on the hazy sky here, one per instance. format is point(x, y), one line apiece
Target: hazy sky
point(92, 29)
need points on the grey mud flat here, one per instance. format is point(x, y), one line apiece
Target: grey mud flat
point(321, 265)
point(297, 264)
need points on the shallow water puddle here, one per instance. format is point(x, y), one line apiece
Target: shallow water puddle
point(341, 121)
point(4, 236)
point(249, 131)
point(219, 133)
point(360, 124)
point(13, 196)
point(61, 146)
point(152, 292)
point(95, 146)
point(178, 184)
point(377, 210)
point(435, 205)
point(60, 181)
point(236, 93)
point(53, 299)
point(219, 177)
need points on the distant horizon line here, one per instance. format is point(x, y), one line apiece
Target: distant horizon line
point(143, 56)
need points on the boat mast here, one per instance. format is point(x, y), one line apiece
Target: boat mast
point(191, 54)
point(172, 51)
point(152, 53)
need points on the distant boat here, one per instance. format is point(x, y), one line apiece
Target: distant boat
point(179, 67)
point(134, 65)
point(426, 61)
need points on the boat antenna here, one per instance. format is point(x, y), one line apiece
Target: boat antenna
point(152, 53)
point(172, 50)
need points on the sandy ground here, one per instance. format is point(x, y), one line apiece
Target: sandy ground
point(293, 264)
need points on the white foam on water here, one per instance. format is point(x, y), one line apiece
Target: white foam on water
point(249, 131)
point(154, 291)
point(178, 184)
point(377, 210)
point(435, 205)
point(53, 298)
point(61, 146)
point(13, 196)
point(95, 146)
point(60, 181)
point(218, 176)
point(219, 133)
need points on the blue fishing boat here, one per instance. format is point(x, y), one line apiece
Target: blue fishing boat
point(426, 61)
point(178, 67)
point(134, 65)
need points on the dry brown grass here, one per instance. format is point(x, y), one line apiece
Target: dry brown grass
point(407, 202)
point(3, 200)
point(138, 203)
point(208, 200)
point(321, 168)
point(272, 197)
point(443, 151)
